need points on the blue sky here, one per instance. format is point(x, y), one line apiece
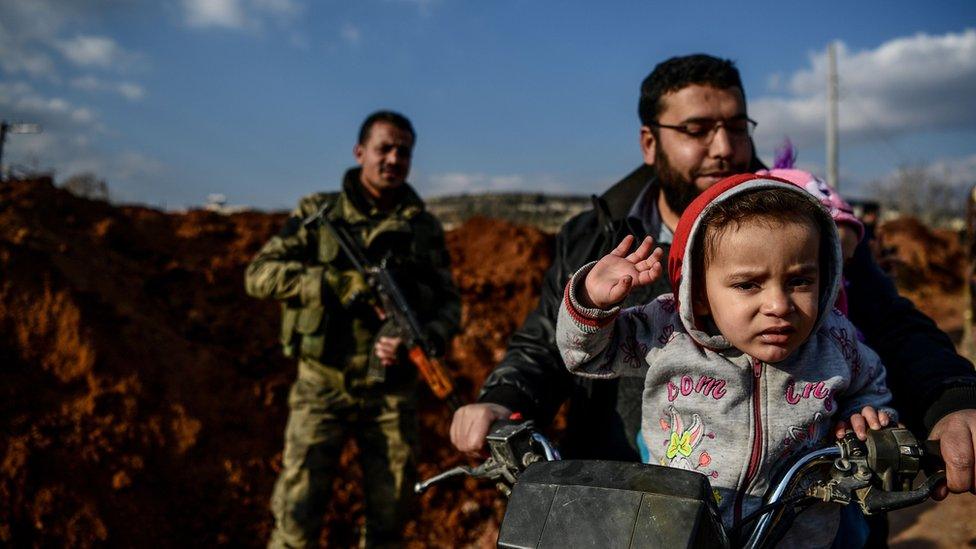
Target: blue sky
point(260, 100)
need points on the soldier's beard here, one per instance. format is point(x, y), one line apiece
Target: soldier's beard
point(679, 191)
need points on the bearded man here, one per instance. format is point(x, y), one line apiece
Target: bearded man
point(695, 130)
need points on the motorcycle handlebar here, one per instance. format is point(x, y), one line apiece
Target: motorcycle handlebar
point(932, 461)
point(879, 470)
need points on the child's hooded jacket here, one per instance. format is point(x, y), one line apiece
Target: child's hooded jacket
point(707, 406)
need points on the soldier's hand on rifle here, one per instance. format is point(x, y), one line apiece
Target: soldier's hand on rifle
point(387, 348)
point(349, 286)
point(611, 279)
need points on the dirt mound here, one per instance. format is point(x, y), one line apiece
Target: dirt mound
point(144, 396)
point(922, 257)
point(499, 268)
point(929, 267)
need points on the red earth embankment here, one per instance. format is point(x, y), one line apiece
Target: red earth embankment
point(143, 395)
point(929, 266)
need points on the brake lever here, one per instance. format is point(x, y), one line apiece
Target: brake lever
point(490, 469)
point(893, 458)
point(421, 487)
point(931, 462)
point(513, 445)
point(877, 501)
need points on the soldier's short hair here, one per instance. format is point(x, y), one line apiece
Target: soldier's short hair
point(396, 119)
point(678, 73)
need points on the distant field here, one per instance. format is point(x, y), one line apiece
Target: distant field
point(545, 211)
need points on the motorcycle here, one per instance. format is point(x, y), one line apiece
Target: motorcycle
point(591, 503)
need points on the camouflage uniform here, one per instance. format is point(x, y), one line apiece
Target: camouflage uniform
point(329, 324)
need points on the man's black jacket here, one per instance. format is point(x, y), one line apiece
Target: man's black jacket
point(927, 378)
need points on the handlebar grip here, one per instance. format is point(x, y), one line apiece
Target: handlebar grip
point(513, 419)
point(932, 461)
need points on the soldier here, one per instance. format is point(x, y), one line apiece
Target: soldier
point(330, 324)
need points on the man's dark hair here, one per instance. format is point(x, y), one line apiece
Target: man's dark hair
point(396, 119)
point(680, 72)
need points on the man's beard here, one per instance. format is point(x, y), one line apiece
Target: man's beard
point(679, 191)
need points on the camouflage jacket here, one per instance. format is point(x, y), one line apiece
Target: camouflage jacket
point(304, 268)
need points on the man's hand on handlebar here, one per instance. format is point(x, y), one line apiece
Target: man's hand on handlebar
point(471, 423)
point(956, 434)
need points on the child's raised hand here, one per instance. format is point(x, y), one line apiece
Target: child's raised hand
point(612, 278)
point(860, 421)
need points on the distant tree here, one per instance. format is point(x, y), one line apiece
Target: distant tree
point(87, 185)
point(920, 192)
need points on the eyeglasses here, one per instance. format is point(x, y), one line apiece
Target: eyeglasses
point(704, 129)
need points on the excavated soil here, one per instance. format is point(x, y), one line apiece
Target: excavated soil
point(144, 397)
point(929, 266)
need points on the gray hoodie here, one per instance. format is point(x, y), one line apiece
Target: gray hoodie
point(710, 408)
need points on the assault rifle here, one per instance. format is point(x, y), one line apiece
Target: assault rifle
point(393, 306)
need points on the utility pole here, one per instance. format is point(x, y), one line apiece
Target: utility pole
point(832, 179)
point(6, 128)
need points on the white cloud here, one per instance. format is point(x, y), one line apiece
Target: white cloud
point(239, 14)
point(457, 183)
point(26, 28)
point(65, 144)
point(132, 165)
point(214, 13)
point(955, 171)
point(350, 33)
point(95, 51)
point(132, 92)
point(39, 46)
point(128, 90)
point(908, 84)
point(423, 6)
point(64, 126)
point(281, 8)
point(89, 83)
point(460, 183)
point(32, 39)
point(15, 60)
point(299, 40)
point(82, 116)
point(118, 170)
point(774, 82)
point(20, 102)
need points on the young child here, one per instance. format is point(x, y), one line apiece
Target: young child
point(748, 364)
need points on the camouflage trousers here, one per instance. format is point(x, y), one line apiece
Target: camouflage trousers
point(321, 420)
